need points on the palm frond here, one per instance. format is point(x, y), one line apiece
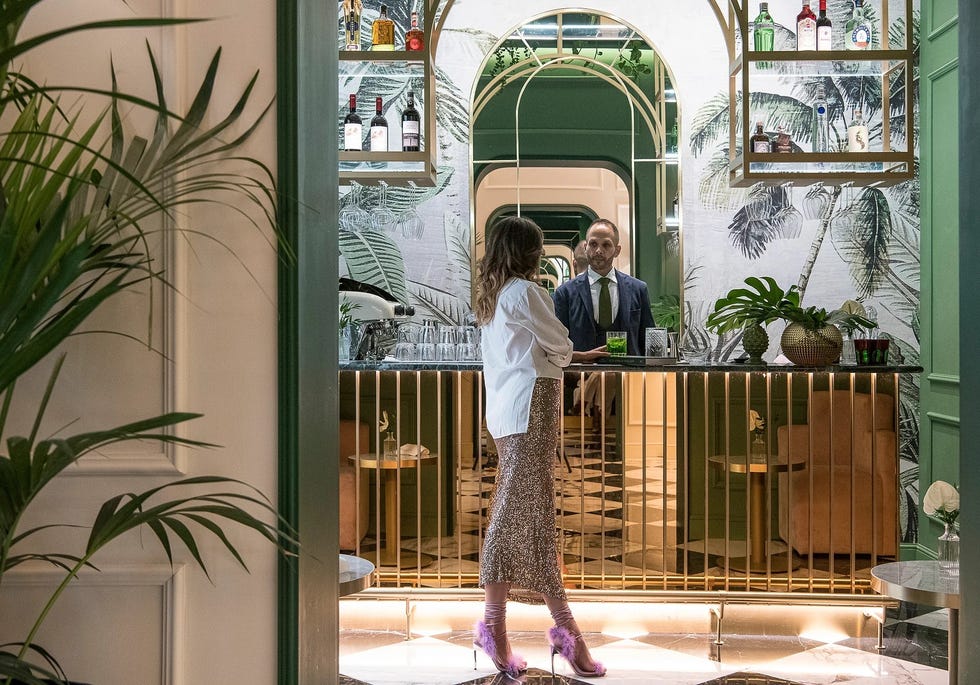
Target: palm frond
point(373, 257)
point(443, 306)
point(786, 111)
point(861, 234)
point(709, 123)
point(754, 225)
point(714, 190)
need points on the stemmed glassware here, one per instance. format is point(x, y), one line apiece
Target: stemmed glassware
point(352, 216)
point(410, 224)
point(382, 218)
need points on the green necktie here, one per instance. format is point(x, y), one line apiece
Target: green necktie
point(605, 304)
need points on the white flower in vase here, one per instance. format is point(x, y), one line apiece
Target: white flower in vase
point(942, 500)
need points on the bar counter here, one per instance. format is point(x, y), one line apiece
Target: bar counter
point(661, 482)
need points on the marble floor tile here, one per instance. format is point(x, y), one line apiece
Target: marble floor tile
point(832, 664)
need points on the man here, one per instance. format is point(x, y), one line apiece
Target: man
point(603, 299)
point(579, 261)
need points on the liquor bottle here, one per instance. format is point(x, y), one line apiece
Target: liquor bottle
point(857, 134)
point(760, 141)
point(765, 32)
point(806, 28)
point(410, 125)
point(820, 136)
point(379, 129)
point(383, 31)
point(784, 142)
point(352, 24)
point(858, 31)
point(352, 128)
point(825, 29)
point(414, 37)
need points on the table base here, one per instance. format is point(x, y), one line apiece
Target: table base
point(408, 559)
point(783, 562)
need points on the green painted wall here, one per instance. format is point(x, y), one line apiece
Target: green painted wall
point(940, 395)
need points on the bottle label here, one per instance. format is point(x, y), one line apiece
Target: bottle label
point(352, 136)
point(806, 35)
point(860, 38)
point(410, 134)
point(379, 139)
point(763, 146)
point(857, 139)
point(825, 37)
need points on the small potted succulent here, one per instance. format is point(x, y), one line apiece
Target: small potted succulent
point(811, 337)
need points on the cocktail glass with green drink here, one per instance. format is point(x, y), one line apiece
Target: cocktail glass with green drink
point(616, 343)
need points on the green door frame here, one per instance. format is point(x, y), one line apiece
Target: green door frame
point(969, 176)
point(308, 380)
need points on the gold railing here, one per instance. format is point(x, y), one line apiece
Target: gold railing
point(660, 483)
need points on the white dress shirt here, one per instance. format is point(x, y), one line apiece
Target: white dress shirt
point(523, 341)
point(595, 287)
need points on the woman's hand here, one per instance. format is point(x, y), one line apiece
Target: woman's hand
point(589, 356)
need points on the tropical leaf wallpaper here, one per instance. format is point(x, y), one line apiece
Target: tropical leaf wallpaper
point(837, 242)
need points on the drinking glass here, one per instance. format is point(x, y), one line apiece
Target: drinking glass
point(656, 342)
point(467, 349)
point(616, 343)
point(406, 345)
point(446, 348)
point(427, 344)
point(383, 219)
point(352, 216)
point(410, 223)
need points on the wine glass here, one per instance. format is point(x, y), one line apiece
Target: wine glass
point(410, 223)
point(352, 216)
point(382, 218)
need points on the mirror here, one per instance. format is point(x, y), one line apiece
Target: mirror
point(574, 118)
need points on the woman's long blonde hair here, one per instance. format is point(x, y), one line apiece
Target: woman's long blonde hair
point(514, 246)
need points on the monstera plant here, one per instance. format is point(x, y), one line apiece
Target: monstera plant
point(78, 205)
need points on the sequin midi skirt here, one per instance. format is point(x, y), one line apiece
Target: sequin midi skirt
point(519, 547)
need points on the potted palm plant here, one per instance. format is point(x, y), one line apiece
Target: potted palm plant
point(77, 207)
point(811, 337)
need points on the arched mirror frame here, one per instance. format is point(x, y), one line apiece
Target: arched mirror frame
point(649, 113)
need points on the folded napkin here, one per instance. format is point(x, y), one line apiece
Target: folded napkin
point(413, 450)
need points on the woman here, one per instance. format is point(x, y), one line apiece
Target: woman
point(525, 348)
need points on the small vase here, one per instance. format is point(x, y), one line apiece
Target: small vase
point(758, 450)
point(949, 551)
point(847, 356)
point(390, 445)
point(343, 344)
point(755, 342)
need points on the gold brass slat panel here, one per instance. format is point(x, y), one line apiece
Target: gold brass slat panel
point(653, 479)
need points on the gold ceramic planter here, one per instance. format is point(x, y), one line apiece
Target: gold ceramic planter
point(805, 347)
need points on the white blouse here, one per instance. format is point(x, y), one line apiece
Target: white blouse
point(523, 341)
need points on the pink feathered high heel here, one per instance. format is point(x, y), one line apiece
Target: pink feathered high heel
point(485, 640)
point(562, 642)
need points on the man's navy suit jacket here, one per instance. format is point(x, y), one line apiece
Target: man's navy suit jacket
point(573, 305)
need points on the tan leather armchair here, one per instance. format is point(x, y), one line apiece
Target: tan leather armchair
point(857, 476)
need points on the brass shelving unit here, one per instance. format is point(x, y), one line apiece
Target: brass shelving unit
point(396, 167)
point(893, 163)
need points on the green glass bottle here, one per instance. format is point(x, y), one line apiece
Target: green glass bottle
point(765, 32)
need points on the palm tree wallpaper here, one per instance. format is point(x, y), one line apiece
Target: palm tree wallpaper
point(836, 242)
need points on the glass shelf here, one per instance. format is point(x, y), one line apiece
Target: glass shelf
point(880, 168)
point(783, 84)
point(391, 74)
